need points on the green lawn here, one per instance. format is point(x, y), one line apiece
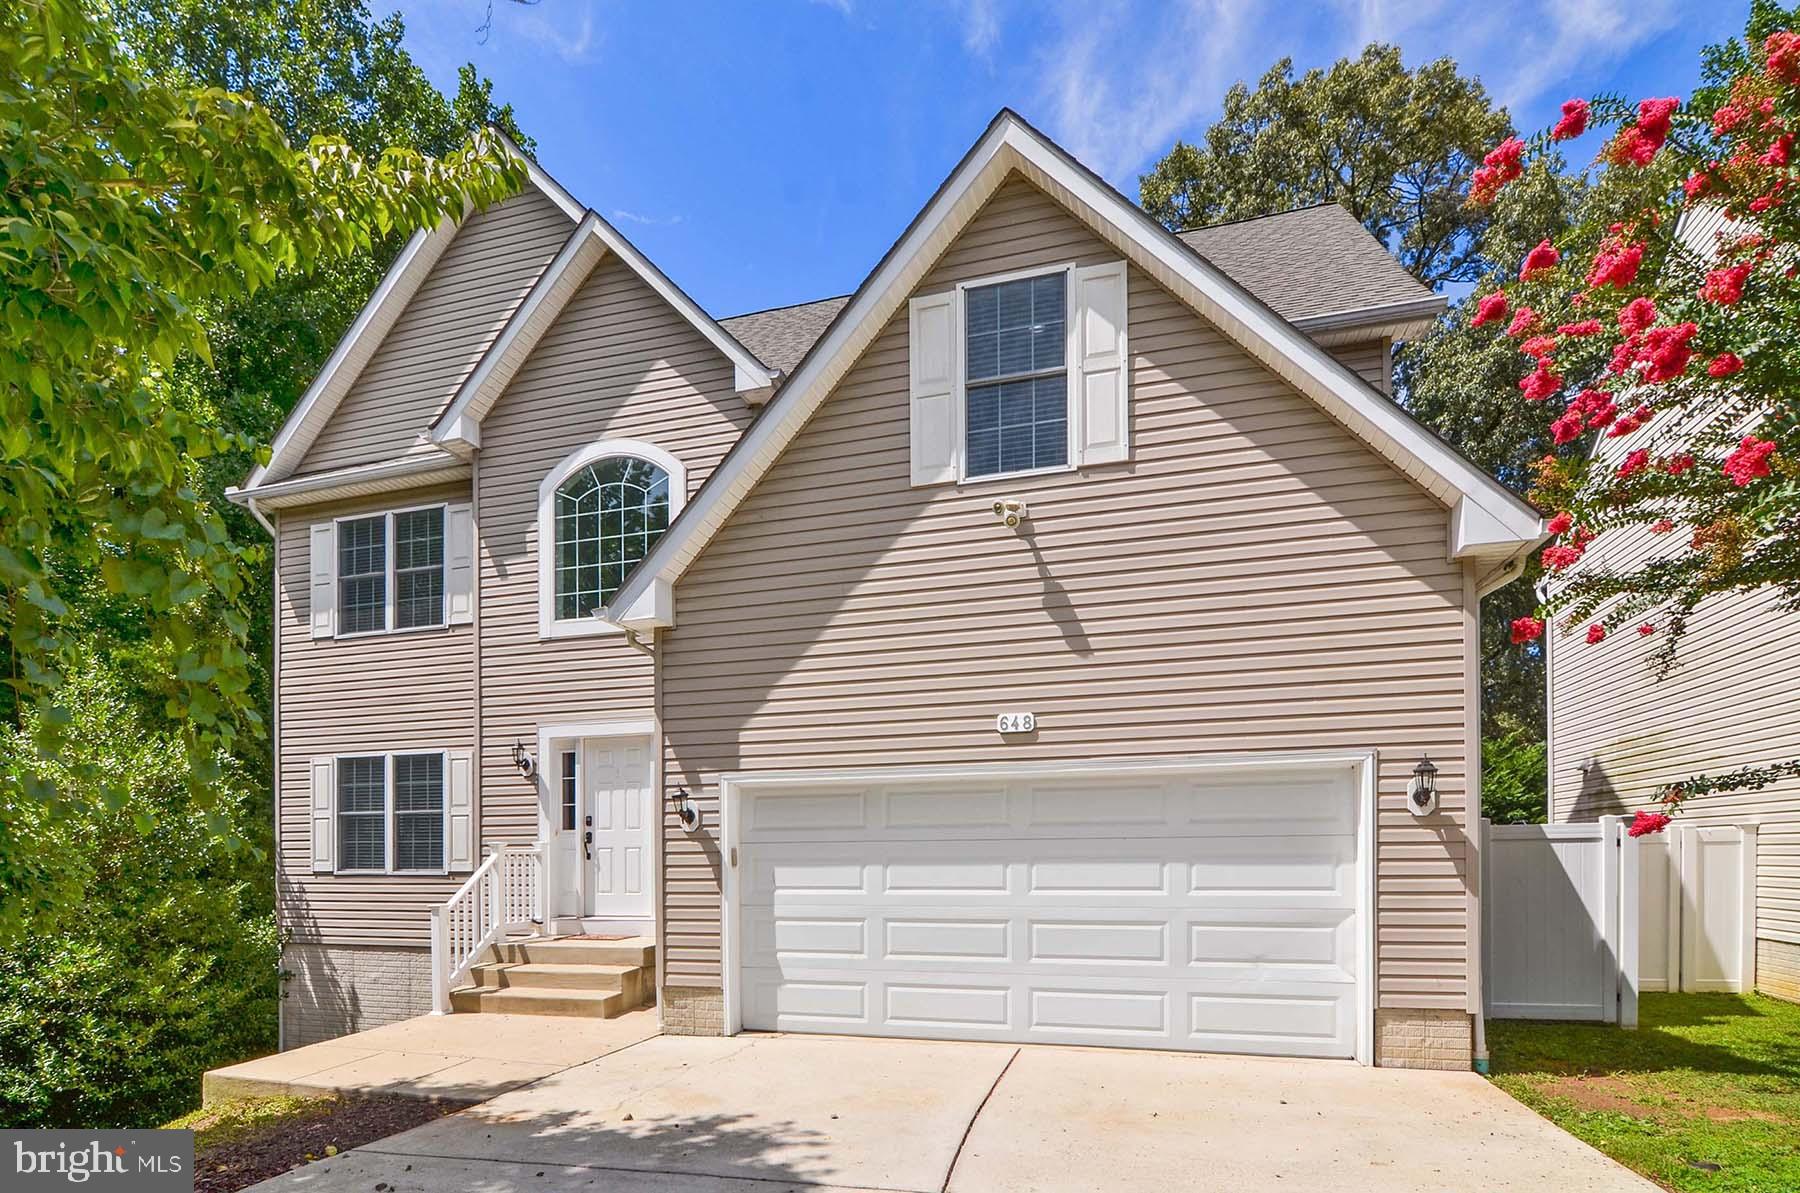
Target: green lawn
point(1705, 1094)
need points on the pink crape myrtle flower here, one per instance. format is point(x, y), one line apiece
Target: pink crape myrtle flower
point(1539, 261)
point(1489, 309)
point(1645, 823)
point(1595, 633)
point(1574, 120)
point(1724, 365)
point(1749, 460)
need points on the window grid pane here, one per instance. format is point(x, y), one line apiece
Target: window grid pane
point(362, 813)
point(1015, 341)
point(419, 568)
point(568, 789)
point(418, 812)
point(608, 516)
point(1018, 425)
point(362, 575)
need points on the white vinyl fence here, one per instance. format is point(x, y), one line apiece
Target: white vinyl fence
point(1580, 917)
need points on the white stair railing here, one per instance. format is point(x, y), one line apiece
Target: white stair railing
point(504, 894)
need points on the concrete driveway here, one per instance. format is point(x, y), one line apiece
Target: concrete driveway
point(766, 1112)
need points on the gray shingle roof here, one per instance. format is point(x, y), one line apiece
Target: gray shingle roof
point(780, 337)
point(1311, 261)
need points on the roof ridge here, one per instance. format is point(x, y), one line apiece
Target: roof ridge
point(787, 306)
point(1268, 215)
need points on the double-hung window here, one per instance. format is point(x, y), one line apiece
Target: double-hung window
point(1016, 375)
point(390, 571)
point(390, 813)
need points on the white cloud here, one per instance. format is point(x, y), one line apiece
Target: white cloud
point(1121, 86)
point(631, 217)
point(566, 28)
point(842, 6)
point(1121, 83)
point(980, 26)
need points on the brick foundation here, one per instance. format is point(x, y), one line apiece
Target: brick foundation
point(693, 1010)
point(333, 990)
point(1778, 969)
point(1409, 1039)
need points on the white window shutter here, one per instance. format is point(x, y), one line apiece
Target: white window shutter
point(324, 814)
point(459, 562)
point(460, 831)
point(1102, 376)
point(932, 336)
point(324, 578)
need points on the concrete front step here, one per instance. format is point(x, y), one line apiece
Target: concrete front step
point(629, 980)
point(588, 1004)
point(637, 950)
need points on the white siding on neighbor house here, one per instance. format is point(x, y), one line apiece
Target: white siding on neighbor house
point(434, 345)
point(619, 363)
point(1253, 579)
point(1618, 733)
point(381, 692)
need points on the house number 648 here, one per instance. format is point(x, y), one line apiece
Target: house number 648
point(1016, 722)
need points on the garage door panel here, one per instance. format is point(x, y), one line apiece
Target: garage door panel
point(1276, 1018)
point(1173, 911)
point(941, 939)
point(1068, 941)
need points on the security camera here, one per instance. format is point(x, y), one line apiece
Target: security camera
point(1011, 511)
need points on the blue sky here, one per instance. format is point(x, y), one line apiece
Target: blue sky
point(768, 151)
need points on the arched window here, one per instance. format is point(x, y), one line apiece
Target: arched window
point(599, 514)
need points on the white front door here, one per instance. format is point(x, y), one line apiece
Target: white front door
point(615, 777)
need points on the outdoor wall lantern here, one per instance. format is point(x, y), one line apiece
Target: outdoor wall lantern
point(522, 760)
point(1421, 793)
point(686, 810)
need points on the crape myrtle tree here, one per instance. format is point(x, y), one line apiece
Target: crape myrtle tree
point(128, 205)
point(1634, 329)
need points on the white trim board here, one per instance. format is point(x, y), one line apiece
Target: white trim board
point(1364, 762)
point(1487, 520)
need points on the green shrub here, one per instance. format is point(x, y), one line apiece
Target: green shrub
point(113, 1004)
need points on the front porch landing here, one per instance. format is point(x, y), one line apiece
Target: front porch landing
point(464, 1057)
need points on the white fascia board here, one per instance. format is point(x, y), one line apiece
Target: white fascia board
point(1008, 144)
point(355, 481)
point(460, 426)
point(353, 351)
point(1413, 311)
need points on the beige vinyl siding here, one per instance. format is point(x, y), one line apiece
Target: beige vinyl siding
point(382, 692)
point(619, 363)
point(1733, 701)
point(1253, 579)
point(1372, 360)
point(434, 345)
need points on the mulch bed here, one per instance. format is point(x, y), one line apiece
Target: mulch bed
point(341, 1123)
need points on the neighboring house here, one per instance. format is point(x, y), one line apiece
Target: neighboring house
point(1618, 734)
point(1133, 771)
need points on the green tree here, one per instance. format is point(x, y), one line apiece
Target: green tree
point(1395, 147)
point(128, 207)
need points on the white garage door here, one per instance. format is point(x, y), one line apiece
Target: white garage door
point(1211, 909)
